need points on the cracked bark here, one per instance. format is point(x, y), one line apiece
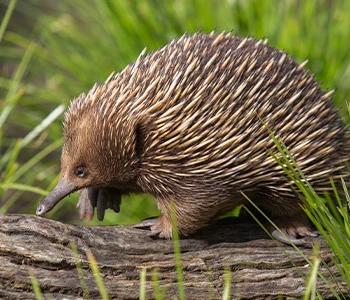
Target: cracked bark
point(260, 268)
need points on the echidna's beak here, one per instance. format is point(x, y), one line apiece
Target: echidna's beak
point(62, 189)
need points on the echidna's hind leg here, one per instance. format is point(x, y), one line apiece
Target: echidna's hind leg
point(292, 223)
point(291, 231)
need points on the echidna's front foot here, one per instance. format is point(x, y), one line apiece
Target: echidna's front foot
point(101, 199)
point(293, 229)
point(160, 226)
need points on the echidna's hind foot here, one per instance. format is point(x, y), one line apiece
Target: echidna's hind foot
point(160, 226)
point(293, 229)
point(288, 239)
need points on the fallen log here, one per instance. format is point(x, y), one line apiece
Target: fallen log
point(260, 268)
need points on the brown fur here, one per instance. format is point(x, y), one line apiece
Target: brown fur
point(184, 123)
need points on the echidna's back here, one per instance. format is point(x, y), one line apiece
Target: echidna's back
point(208, 98)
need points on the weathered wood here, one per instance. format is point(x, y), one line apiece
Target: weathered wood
point(260, 268)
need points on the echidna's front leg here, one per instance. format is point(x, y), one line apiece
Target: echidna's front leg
point(159, 226)
point(189, 218)
point(101, 198)
point(86, 210)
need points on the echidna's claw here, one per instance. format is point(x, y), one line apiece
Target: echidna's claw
point(101, 199)
point(152, 224)
point(101, 206)
point(92, 195)
point(157, 225)
point(146, 224)
point(86, 208)
point(296, 239)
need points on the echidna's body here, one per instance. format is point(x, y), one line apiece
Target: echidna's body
point(187, 123)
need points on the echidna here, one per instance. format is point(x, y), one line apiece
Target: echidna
point(188, 124)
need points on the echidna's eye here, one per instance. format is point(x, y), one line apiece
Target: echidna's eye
point(80, 172)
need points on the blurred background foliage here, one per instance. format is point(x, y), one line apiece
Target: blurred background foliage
point(51, 51)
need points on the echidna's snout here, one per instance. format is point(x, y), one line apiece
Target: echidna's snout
point(62, 189)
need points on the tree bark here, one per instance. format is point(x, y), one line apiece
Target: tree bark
point(260, 268)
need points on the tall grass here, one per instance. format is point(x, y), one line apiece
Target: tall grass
point(331, 219)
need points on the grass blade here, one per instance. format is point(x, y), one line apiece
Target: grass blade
point(93, 264)
point(23, 187)
point(159, 293)
point(143, 284)
point(177, 253)
point(310, 292)
point(80, 271)
point(36, 288)
point(7, 18)
point(227, 285)
point(13, 94)
point(43, 124)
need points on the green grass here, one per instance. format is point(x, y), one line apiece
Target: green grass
point(7, 17)
point(311, 284)
point(227, 285)
point(159, 292)
point(80, 271)
point(177, 252)
point(99, 281)
point(50, 52)
point(331, 219)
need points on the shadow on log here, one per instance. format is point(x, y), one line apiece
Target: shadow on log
point(260, 268)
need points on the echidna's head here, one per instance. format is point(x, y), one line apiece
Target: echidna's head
point(98, 151)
